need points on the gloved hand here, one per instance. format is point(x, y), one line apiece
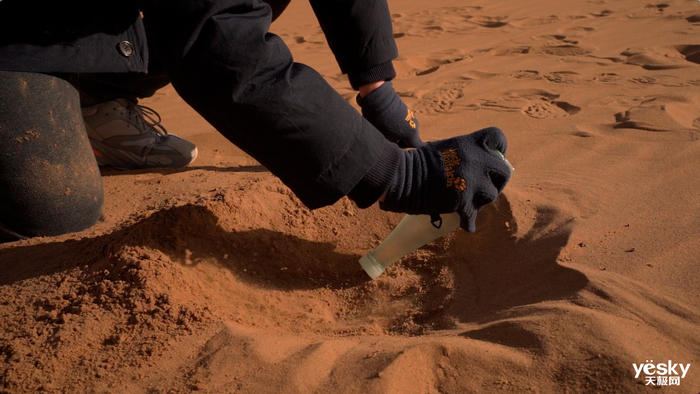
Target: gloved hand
point(384, 109)
point(460, 174)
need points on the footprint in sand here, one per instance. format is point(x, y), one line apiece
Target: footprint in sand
point(566, 50)
point(510, 51)
point(531, 75)
point(533, 103)
point(442, 99)
point(445, 20)
point(543, 105)
point(438, 21)
point(564, 77)
point(565, 44)
point(653, 79)
point(607, 77)
point(665, 80)
point(621, 102)
point(548, 110)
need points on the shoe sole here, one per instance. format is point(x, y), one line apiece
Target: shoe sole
point(105, 156)
point(110, 157)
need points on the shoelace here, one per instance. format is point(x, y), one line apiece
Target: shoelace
point(146, 118)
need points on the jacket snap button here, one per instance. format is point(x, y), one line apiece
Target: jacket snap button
point(125, 48)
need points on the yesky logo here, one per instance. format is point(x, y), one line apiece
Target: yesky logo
point(662, 374)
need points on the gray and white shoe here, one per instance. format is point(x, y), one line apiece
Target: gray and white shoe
point(128, 136)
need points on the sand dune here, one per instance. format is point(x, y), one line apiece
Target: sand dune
point(215, 278)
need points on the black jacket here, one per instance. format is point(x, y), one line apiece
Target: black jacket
point(71, 37)
point(222, 60)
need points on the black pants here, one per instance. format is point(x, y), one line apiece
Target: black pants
point(49, 178)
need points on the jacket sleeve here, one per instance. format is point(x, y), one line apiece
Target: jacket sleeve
point(242, 79)
point(360, 34)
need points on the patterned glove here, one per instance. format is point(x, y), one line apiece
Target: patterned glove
point(460, 174)
point(385, 110)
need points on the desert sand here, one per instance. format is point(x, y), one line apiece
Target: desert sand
point(215, 278)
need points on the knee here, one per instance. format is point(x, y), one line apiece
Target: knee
point(49, 178)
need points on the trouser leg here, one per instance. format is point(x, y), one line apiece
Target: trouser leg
point(49, 178)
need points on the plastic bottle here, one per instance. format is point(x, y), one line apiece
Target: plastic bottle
point(412, 232)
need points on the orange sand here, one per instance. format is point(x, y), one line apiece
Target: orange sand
point(215, 278)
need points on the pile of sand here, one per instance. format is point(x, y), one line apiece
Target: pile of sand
point(216, 278)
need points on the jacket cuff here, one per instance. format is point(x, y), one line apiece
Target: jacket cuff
point(381, 72)
point(379, 178)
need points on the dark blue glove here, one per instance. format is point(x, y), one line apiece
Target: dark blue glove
point(460, 174)
point(385, 110)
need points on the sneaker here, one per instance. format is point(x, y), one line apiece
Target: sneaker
point(128, 136)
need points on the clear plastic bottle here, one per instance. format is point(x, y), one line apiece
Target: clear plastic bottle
point(410, 234)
